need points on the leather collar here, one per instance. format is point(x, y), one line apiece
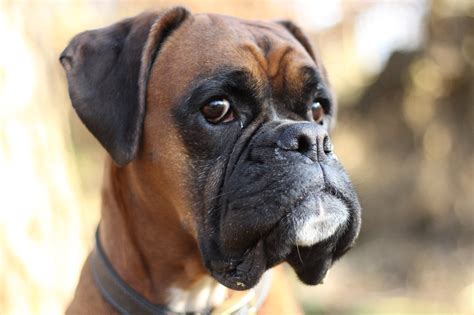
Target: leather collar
point(126, 300)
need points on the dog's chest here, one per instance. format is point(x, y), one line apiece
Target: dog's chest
point(204, 294)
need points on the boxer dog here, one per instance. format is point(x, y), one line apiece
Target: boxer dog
point(221, 166)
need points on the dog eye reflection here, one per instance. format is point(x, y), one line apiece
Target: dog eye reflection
point(218, 111)
point(318, 112)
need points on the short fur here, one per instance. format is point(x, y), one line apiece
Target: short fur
point(187, 198)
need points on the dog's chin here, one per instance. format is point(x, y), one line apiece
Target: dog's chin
point(306, 239)
point(316, 239)
point(240, 273)
point(312, 263)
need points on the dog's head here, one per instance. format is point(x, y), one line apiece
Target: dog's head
point(227, 120)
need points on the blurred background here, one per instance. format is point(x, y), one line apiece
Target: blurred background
point(403, 73)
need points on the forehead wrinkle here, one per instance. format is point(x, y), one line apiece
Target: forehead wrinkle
point(271, 67)
point(275, 66)
point(269, 63)
point(257, 55)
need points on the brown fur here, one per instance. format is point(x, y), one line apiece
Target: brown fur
point(147, 226)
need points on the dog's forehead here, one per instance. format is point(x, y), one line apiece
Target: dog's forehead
point(206, 43)
point(241, 29)
point(250, 39)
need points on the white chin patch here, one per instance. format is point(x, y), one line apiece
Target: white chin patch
point(322, 221)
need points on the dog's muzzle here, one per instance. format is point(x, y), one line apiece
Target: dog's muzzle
point(287, 193)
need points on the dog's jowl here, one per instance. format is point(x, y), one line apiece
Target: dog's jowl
point(220, 165)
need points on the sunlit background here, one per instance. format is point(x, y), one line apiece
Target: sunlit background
point(403, 73)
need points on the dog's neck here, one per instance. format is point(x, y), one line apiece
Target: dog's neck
point(151, 250)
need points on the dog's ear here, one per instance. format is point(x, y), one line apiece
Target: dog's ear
point(107, 71)
point(299, 35)
point(303, 40)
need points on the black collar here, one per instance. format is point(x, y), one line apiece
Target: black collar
point(127, 301)
point(113, 288)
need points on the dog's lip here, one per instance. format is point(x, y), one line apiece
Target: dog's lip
point(317, 193)
point(240, 274)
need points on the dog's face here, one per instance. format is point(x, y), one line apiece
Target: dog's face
point(235, 133)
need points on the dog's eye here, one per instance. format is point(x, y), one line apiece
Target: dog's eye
point(218, 111)
point(318, 111)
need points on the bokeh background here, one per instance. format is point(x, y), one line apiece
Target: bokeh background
point(403, 73)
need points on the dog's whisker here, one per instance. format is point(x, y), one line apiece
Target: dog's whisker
point(223, 194)
point(299, 254)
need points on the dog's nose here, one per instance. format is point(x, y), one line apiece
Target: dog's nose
point(309, 139)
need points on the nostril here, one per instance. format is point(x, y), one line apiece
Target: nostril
point(308, 139)
point(304, 144)
point(327, 145)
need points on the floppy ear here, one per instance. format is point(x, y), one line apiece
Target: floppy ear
point(299, 35)
point(107, 71)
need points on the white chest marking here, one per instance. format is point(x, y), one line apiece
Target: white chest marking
point(204, 294)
